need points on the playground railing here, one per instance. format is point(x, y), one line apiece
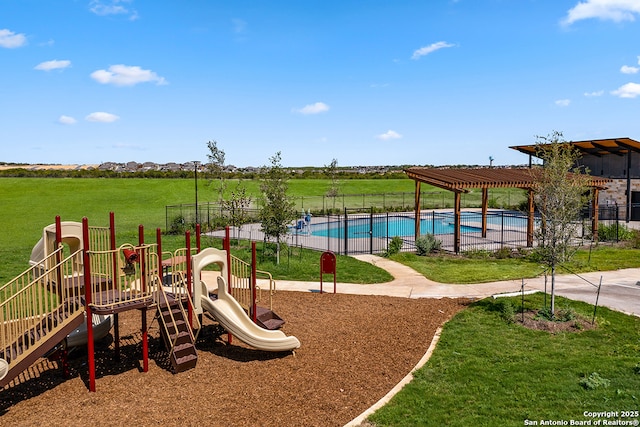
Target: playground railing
point(124, 276)
point(37, 303)
point(99, 238)
point(265, 276)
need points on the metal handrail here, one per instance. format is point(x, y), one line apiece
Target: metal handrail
point(34, 296)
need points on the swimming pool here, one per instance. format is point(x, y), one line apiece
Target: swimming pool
point(403, 226)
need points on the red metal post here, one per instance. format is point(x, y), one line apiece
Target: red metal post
point(328, 266)
point(62, 353)
point(254, 262)
point(87, 300)
point(143, 286)
point(159, 243)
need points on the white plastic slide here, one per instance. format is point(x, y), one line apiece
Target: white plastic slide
point(4, 368)
point(71, 236)
point(228, 312)
point(233, 318)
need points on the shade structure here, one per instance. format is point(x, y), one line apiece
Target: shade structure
point(463, 179)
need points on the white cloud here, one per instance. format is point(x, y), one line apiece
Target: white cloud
point(430, 49)
point(629, 90)
point(317, 108)
point(113, 7)
point(239, 26)
point(563, 102)
point(613, 10)
point(53, 65)
point(66, 120)
point(125, 75)
point(101, 117)
point(390, 134)
point(625, 69)
point(11, 40)
point(592, 94)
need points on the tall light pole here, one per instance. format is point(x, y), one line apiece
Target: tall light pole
point(195, 177)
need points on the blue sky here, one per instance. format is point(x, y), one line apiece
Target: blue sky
point(397, 82)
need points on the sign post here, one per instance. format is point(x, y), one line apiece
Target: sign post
point(328, 266)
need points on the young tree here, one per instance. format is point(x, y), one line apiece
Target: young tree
point(216, 168)
point(238, 205)
point(278, 210)
point(332, 172)
point(560, 194)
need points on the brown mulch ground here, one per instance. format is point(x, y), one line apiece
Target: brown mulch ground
point(354, 350)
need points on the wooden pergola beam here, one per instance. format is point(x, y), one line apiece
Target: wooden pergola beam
point(461, 180)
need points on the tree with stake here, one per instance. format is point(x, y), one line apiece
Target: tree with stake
point(238, 206)
point(216, 167)
point(240, 200)
point(561, 191)
point(278, 210)
point(331, 171)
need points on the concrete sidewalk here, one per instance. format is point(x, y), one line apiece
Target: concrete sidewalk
point(620, 289)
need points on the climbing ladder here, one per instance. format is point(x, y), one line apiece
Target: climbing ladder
point(175, 328)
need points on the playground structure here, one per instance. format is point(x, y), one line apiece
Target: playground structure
point(79, 280)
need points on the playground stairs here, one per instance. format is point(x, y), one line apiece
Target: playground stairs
point(267, 319)
point(39, 339)
point(177, 336)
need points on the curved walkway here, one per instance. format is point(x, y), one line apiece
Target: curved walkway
point(620, 289)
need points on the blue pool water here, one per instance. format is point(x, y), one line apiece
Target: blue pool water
point(403, 226)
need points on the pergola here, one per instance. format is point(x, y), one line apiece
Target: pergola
point(598, 148)
point(460, 181)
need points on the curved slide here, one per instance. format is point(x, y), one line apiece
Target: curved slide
point(4, 368)
point(72, 236)
point(233, 318)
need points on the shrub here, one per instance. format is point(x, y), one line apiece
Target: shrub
point(394, 246)
point(427, 244)
point(594, 381)
point(503, 253)
point(635, 239)
point(614, 232)
point(478, 254)
point(178, 225)
point(506, 310)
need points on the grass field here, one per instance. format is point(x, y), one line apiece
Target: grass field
point(488, 371)
point(29, 204)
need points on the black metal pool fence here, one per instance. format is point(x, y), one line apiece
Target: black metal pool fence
point(355, 232)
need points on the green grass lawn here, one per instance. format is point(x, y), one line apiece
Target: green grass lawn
point(30, 204)
point(489, 372)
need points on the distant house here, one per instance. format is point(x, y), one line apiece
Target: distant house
point(617, 159)
point(149, 166)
